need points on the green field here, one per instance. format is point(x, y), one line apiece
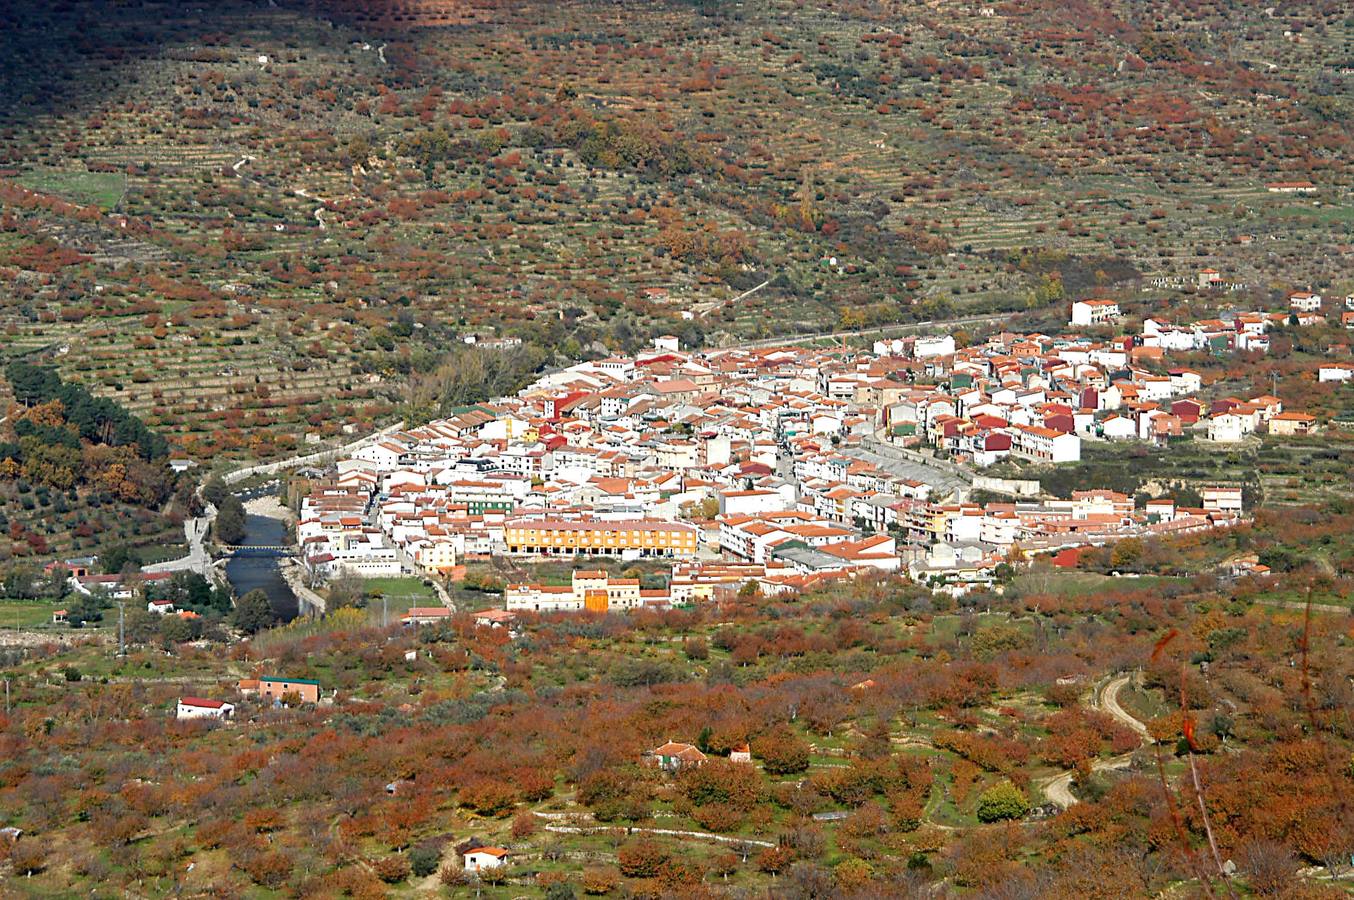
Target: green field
point(102, 189)
point(1324, 215)
point(30, 614)
point(400, 594)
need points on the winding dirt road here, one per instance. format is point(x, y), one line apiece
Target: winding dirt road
point(1109, 702)
point(1058, 789)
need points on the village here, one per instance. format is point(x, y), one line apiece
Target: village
point(779, 467)
point(693, 449)
point(767, 472)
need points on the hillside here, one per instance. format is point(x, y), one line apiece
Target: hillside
point(252, 224)
point(79, 474)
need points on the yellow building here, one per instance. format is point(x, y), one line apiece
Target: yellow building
point(436, 556)
point(568, 538)
point(596, 601)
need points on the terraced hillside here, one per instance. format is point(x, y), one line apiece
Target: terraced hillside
point(250, 223)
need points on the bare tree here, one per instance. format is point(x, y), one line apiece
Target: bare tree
point(1269, 866)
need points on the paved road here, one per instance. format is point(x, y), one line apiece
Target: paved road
point(197, 560)
point(880, 330)
point(318, 456)
point(408, 562)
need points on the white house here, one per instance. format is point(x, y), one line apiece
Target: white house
point(1222, 499)
point(1045, 445)
point(889, 347)
point(1118, 428)
point(198, 708)
point(1228, 427)
point(1290, 187)
point(933, 346)
point(426, 615)
point(494, 618)
point(749, 503)
point(1094, 312)
point(1156, 333)
point(383, 457)
point(485, 858)
point(1304, 301)
point(1185, 382)
point(1162, 508)
point(1334, 373)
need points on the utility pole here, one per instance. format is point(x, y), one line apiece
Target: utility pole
point(122, 631)
point(385, 609)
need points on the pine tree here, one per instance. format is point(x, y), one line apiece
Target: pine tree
point(230, 520)
point(253, 612)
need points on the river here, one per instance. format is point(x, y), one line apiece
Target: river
point(250, 569)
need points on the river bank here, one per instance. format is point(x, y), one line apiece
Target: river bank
point(269, 506)
point(267, 522)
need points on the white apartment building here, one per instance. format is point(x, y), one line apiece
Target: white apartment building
point(1094, 312)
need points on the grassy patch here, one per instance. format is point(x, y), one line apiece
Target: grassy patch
point(393, 597)
point(28, 613)
point(1143, 704)
point(102, 189)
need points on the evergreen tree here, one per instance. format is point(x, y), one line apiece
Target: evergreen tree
point(253, 612)
point(230, 520)
point(214, 492)
point(1002, 801)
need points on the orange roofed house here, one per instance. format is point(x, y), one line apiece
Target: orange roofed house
point(272, 689)
point(594, 590)
point(674, 756)
point(1292, 423)
point(484, 858)
point(426, 615)
point(1094, 312)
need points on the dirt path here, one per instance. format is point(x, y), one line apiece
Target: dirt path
point(1058, 788)
point(1109, 702)
point(670, 832)
point(1300, 606)
point(319, 210)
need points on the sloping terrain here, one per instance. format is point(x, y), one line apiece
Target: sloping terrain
point(249, 222)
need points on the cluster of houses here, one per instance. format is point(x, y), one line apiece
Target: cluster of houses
point(268, 689)
point(1235, 331)
point(806, 462)
point(1038, 397)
